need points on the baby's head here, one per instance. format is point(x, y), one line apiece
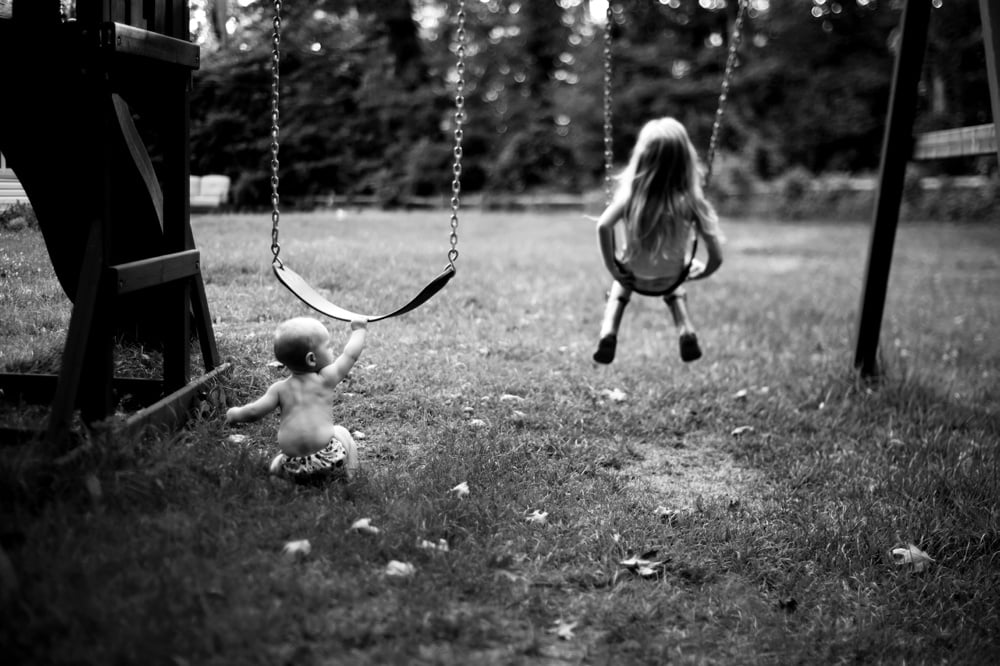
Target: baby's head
point(302, 344)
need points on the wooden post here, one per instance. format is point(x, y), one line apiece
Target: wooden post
point(989, 11)
point(896, 148)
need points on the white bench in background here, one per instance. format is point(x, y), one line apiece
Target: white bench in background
point(209, 191)
point(11, 191)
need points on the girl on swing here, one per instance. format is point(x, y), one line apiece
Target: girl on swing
point(660, 202)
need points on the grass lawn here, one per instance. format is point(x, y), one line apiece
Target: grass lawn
point(771, 484)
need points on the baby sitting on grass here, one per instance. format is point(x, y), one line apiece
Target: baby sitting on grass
point(312, 447)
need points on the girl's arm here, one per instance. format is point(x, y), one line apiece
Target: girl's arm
point(252, 411)
point(714, 260)
point(606, 237)
point(336, 371)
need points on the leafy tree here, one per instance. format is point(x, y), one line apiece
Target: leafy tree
point(354, 101)
point(367, 89)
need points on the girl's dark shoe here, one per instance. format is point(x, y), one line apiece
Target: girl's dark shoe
point(690, 351)
point(606, 349)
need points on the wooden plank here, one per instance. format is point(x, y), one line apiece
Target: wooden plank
point(171, 411)
point(80, 340)
point(959, 142)
point(19, 436)
point(135, 14)
point(132, 41)
point(896, 149)
point(137, 150)
point(38, 389)
point(35, 389)
point(159, 17)
point(152, 272)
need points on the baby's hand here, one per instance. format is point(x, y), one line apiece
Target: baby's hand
point(359, 324)
point(230, 415)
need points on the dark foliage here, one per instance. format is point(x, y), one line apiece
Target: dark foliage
point(367, 92)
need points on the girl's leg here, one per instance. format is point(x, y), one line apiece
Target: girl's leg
point(277, 465)
point(343, 436)
point(618, 298)
point(677, 302)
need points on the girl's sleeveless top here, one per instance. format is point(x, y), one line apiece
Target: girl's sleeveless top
point(666, 265)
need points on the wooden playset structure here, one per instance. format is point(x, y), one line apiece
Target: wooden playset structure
point(95, 124)
point(900, 146)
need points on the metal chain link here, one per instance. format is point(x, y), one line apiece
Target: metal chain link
point(731, 59)
point(609, 153)
point(275, 80)
point(456, 182)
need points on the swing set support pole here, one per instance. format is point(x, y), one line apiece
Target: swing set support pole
point(897, 147)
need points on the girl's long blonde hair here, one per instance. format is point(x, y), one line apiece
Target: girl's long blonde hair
point(662, 188)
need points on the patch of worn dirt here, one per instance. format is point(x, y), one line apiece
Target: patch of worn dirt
point(680, 475)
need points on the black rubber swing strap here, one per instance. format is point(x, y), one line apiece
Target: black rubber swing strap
point(305, 293)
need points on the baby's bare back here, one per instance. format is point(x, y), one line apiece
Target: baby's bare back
point(306, 423)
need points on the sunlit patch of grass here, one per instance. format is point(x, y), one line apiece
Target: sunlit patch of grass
point(177, 555)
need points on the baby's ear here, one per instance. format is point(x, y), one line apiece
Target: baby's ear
point(310, 359)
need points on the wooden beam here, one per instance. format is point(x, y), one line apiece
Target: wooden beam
point(171, 412)
point(38, 389)
point(989, 11)
point(152, 272)
point(140, 156)
point(896, 150)
point(129, 40)
point(83, 345)
point(960, 142)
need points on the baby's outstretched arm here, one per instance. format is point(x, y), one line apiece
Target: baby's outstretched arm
point(252, 411)
point(336, 371)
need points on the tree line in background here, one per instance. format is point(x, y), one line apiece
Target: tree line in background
point(367, 90)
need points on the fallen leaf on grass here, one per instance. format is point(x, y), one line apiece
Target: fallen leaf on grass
point(740, 395)
point(644, 565)
point(668, 516)
point(477, 423)
point(614, 395)
point(441, 545)
point(563, 629)
point(461, 490)
point(741, 430)
point(538, 516)
point(275, 364)
point(910, 554)
point(363, 526)
point(297, 549)
point(236, 439)
point(399, 569)
point(510, 397)
point(357, 434)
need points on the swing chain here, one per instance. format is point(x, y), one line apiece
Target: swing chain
point(275, 80)
point(731, 61)
point(456, 182)
point(609, 153)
